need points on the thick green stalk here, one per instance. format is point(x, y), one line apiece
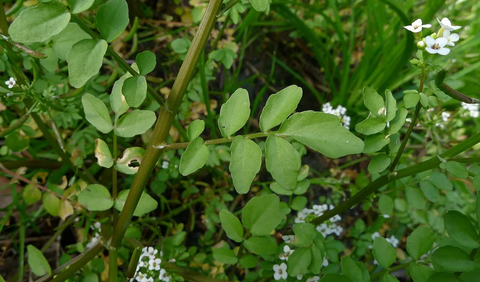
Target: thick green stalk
point(165, 121)
point(384, 180)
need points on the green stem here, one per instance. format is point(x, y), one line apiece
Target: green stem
point(183, 145)
point(115, 178)
point(19, 122)
point(382, 181)
point(112, 266)
point(412, 125)
point(165, 120)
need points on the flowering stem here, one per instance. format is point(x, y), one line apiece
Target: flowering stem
point(412, 125)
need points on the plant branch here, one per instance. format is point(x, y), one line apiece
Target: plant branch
point(165, 121)
point(183, 145)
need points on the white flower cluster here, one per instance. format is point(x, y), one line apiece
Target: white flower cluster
point(339, 111)
point(280, 272)
point(392, 240)
point(148, 265)
point(472, 108)
point(326, 228)
point(437, 42)
point(445, 117)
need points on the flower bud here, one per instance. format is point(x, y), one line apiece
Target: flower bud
point(434, 35)
point(421, 45)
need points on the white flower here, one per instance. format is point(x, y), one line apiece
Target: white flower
point(11, 82)
point(313, 279)
point(323, 228)
point(165, 164)
point(472, 108)
point(436, 46)
point(288, 238)
point(154, 264)
point(386, 216)
point(451, 37)
point(286, 253)
point(417, 26)
point(335, 218)
point(319, 209)
point(445, 116)
point(164, 276)
point(393, 241)
point(280, 271)
point(447, 25)
point(337, 230)
point(325, 262)
point(375, 235)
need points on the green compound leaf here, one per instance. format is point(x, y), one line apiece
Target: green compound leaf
point(78, 6)
point(232, 226)
point(411, 100)
point(399, 120)
point(146, 62)
point(379, 163)
point(322, 132)
point(195, 129)
point(351, 269)
point(135, 123)
point(419, 272)
point(97, 113)
point(374, 102)
point(38, 23)
point(102, 153)
point(62, 43)
point(51, 203)
point(261, 245)
point(262, 214)
point(194, 157)
point(85, 60)
point(259, 5)
point(457, 169)
point(112, 19)
point(245, 163)
point(145, 205)
point(460, 228)
point(249, 261)
point(95, 197)
point(118, 103)
point(282, 161)
point(31, 194)
point(234, 113)
point(371, 126)
point(453, 259)
point(443, 277)
point(391, 105)
point(374, 143)
point(279, 106)
point(441, 181)
point(135, 90)
point(37, 261)
point(225, 256)
point(130, 161)
point(429, 190)
point(299, 261)
point(385, 204)
point(383, 252)
point(419, 242)
point(415, 197)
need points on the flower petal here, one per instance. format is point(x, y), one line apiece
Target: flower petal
point(450, 44)
point(454, 37)
point(441, 41)
point(430, 50)
point(446, 21)
point(446, 33)
point(410, 28)
point(427, 25)
point(443, 51)
point(429, 41)
point(417, 22)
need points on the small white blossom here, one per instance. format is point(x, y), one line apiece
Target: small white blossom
point(447, 25)
point(451, 37)
point(280, 271)
point(340, 112)
point(288, 238)
point(313, 279)
point(472, 108)
point(165, 164)
point(325, 262)
point(445, 116)
point(318, 210)
point(286, 253)
point(417, 26)
point(375, 235)
point(11, 82)
point(393, 241)
point(154, 264)
point(436, 46)
point(164, 276)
